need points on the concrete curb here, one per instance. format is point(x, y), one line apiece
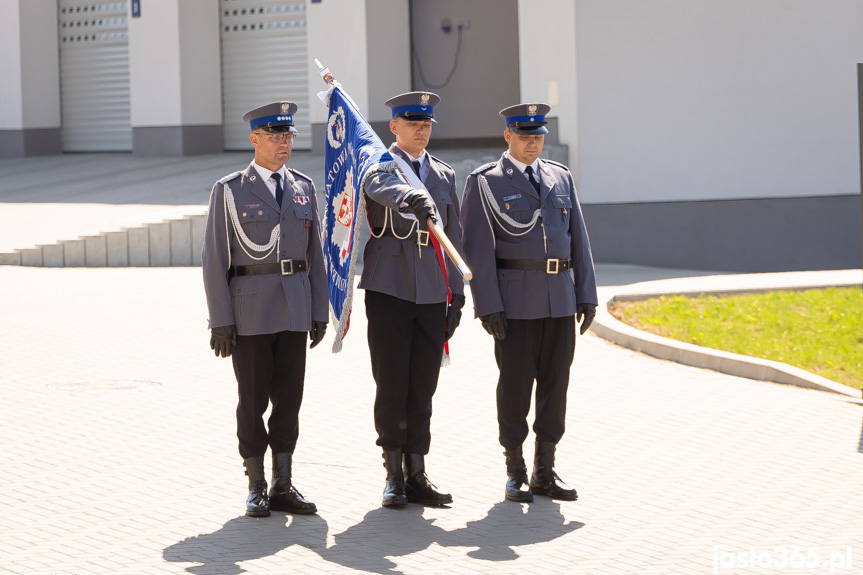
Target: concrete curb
point(609, 328)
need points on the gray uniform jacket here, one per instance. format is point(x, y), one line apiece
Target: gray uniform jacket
point(526, 294)
point(393, 266)
point(269, 303)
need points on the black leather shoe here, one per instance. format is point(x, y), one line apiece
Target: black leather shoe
point(257, 504)
point(418, 488)
point(517, 488)
point(543, 480)
point(394, 492)
point(283, 495)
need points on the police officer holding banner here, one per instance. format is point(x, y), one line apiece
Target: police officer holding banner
point(533, 279)
point(266, 293)
point(406, 297)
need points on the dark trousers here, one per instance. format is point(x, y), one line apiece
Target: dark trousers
point(269, 368)
point(541, 350)
point(406, 343)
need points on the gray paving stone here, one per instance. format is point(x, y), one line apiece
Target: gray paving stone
point(139, 246)
point(74, 253)
point(160, 244)
point(31, 257)
point(10, 259)
point(52, 256)
point(181, 242)
point(199, 225)
point(117, 244)
point(96, 251)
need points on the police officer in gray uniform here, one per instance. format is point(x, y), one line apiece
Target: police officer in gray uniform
point(526, 244)
point(266, 293)
point(406, 299)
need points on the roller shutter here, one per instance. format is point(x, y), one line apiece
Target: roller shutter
point(94, 76)
point(264, 59)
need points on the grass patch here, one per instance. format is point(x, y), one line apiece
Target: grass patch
point(819, 330)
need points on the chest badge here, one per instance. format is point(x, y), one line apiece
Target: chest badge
point(302, 200)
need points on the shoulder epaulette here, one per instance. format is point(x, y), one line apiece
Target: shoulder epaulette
point(300, 174)
point(484, 168)
point(558, 164)
point(438, 160)
point(230, 177)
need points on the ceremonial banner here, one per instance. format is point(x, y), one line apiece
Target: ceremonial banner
point(353, 151)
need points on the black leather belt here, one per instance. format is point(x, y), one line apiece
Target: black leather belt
point(422, 235)
point(550, 266)
point(284, 267)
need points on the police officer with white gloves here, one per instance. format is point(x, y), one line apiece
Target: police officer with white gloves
point(266, 293)
point(533, 278)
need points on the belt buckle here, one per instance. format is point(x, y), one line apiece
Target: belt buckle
point(552, 269)
point(290, 270)
point(422, 238)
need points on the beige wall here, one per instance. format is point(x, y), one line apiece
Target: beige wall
point(716, 100)
point(547, 65)
point(174, 64)
point(388, 52)
point(487, 77)
point(30, 65)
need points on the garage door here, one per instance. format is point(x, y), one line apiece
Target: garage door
point(94, 76)
point(264, 59)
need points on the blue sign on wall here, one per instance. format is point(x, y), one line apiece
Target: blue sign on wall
point(136, 8)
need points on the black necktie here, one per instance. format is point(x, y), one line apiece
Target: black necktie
point(279, 191)
point(416, 165)
point(529, 171)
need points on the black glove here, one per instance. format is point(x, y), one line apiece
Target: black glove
point(319, 329)
point(588, 310)
point(495, 324)
point(422, 206)
point(453, 314)
point(223, 339)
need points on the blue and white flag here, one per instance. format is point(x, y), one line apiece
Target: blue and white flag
point(353, 152)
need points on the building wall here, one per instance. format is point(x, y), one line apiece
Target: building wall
point(30, 90)
point(486, 79)
point(549, 74)
point(175, 72)
point(721, 99)
point(365, 44)
point(694, 117)
point(388, 52)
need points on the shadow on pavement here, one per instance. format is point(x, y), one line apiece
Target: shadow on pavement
point(369, 545)
point(385, 533)
point(245, 538)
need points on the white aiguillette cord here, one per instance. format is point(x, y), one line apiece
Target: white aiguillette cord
point(412, 180)
point(231, 209)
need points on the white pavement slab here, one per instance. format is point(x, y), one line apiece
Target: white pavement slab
point(119, 454)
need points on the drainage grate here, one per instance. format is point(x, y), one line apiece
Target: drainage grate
point(105, 385)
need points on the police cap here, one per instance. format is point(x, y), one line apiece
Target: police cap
point(414, 106)
point(275, 118)
point(526, 119)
